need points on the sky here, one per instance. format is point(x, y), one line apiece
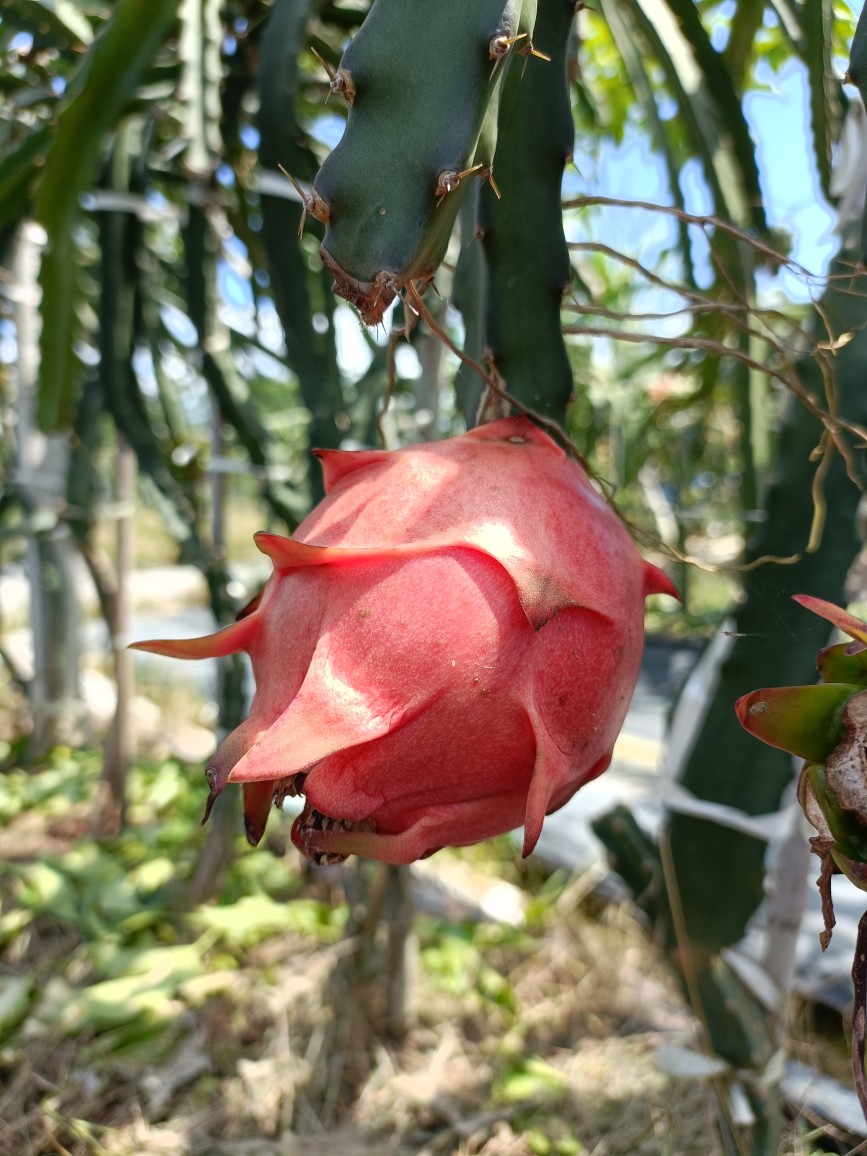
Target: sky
point(779, 121)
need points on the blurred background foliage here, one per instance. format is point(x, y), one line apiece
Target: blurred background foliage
point(170, 350)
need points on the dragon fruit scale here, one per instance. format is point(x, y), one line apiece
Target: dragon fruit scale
point(445, 650)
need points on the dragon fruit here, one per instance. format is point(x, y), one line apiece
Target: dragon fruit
point(445, 650)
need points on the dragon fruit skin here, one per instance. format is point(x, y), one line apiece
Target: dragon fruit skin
point(446, 648)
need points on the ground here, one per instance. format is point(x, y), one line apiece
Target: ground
point(267, 1022)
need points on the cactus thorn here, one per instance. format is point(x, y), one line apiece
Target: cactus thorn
point(499, 47)
point(301, 194)
point(331, 72)
point(487, 174)
point(311, 203)
point(448, 181)
point(529, 49)
point(339, 81)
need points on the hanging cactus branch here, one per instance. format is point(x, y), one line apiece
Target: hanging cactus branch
point(339, 80)
point(422, 118)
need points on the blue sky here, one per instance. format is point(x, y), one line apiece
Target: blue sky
point(779, 120)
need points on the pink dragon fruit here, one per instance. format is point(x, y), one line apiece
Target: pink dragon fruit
point(446, 648)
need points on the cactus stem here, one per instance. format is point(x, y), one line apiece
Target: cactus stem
point(339, 80)
point(311, 203)
point(448, 181)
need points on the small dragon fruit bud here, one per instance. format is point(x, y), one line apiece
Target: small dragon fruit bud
point(826, 724)
point(445, 650)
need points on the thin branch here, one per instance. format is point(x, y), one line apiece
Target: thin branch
point(701, 221)
point(835, 425)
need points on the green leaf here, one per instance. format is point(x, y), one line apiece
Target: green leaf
point(255, 917)
point(63, 20)
point(803, 720)
point(842, 619)
point(147, 990)
point(835, 665)
point(107, 78)
point(15, 993)
point(13, 923)
point(47, 889)
point(531, 1080)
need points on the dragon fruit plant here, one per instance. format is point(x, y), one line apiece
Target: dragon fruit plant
point(826, 725)
point(445, 650)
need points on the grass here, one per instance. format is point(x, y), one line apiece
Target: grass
point(259, 1023)
point(131, 1025)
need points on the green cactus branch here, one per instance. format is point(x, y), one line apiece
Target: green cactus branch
point(857, 74)
point(522, 230)
point(423, 82)
point(107, 78)
point(310, 354)
point(469, 294)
